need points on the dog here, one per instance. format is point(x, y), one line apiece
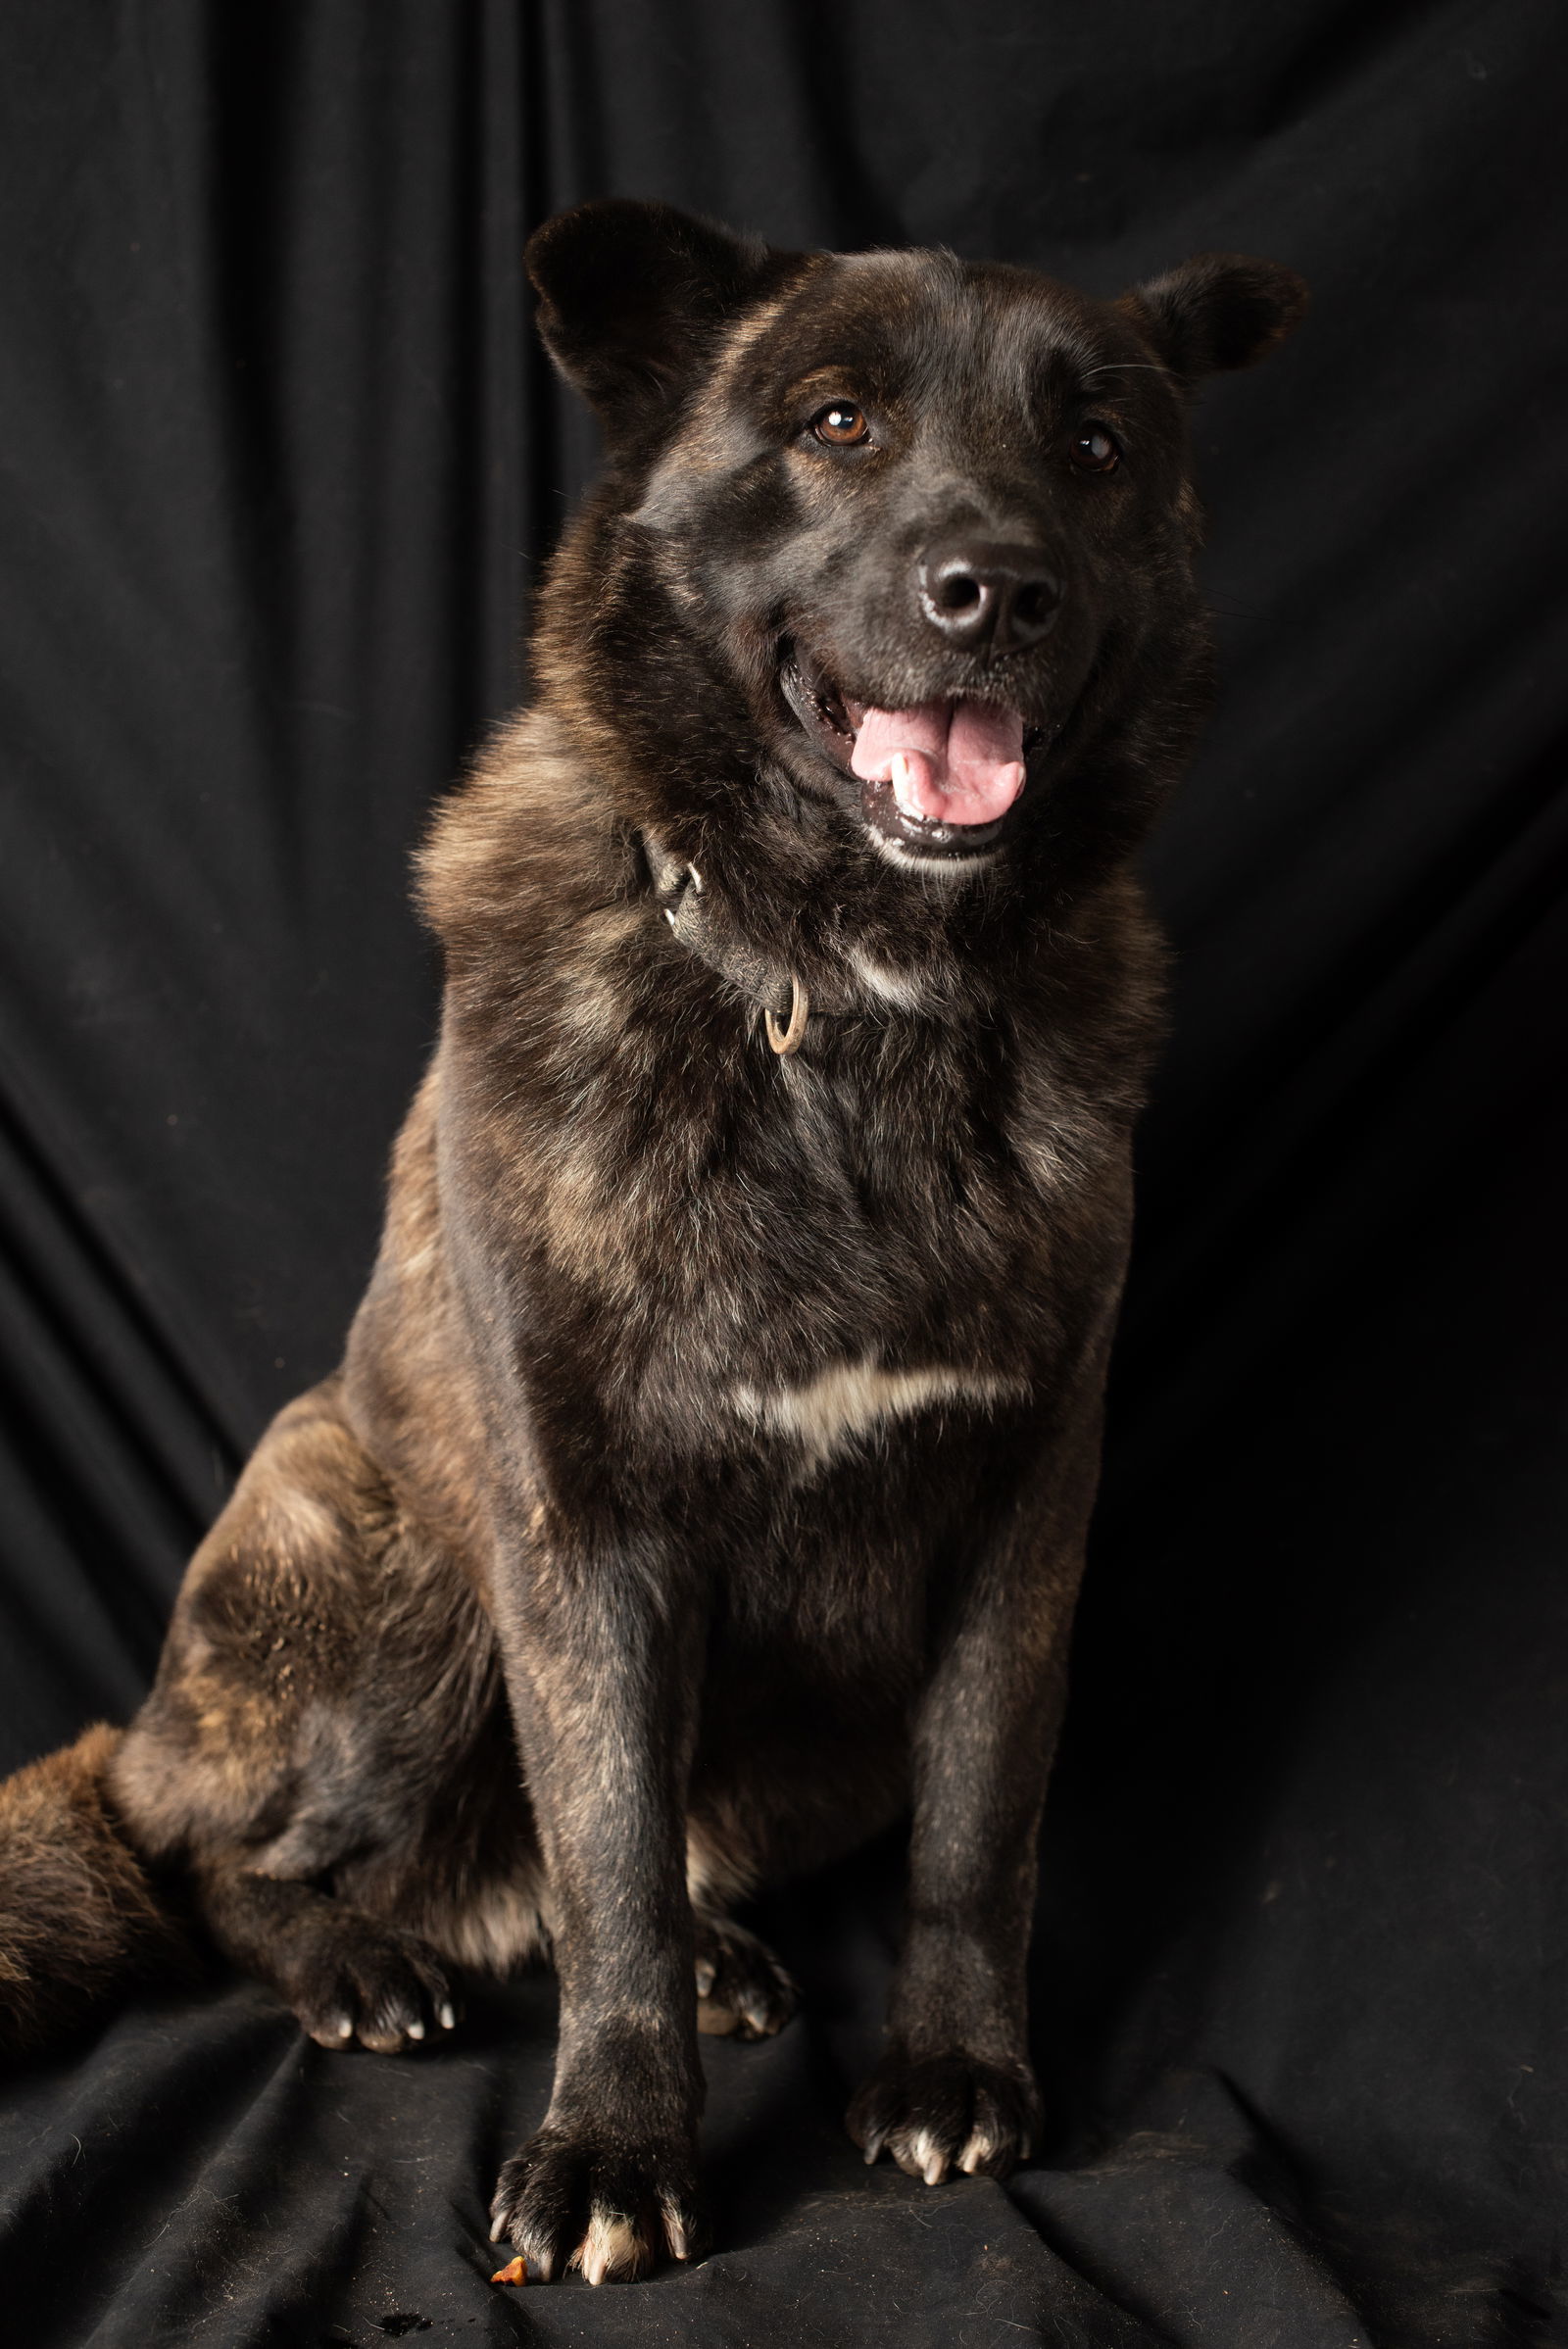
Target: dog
point(706, 1480)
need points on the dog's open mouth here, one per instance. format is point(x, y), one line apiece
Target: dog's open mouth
point(937, 779)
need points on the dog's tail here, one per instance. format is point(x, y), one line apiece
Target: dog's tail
point(81, 1919)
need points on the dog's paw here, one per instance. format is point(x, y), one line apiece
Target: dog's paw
point(936, 2114)
point(372, 1984)
point(612, 2210)
point(742, 1990)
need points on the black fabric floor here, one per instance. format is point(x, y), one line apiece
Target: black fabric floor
point(278, 460)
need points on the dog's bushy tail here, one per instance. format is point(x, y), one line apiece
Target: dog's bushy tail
point(81, 1921)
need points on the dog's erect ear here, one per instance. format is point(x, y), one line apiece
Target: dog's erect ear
point(632, 296)
point(1218, 310)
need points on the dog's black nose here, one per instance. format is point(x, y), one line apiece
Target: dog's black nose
point(986, 594)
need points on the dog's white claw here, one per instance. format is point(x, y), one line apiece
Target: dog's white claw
point(415, 2031)
point(449, 2021)
point(930, 2159)
point(696, 878)
point(609, 2245)
point(978, 2149)
point(345, 2029)
point(498, 2232)
point(675, 2234)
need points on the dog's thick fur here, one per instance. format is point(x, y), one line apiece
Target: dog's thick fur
point(718, 1435)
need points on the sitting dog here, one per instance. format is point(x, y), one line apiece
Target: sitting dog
point(706, 1480)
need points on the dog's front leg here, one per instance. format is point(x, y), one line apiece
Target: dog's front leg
point(602, 1648)
point(955, 2088)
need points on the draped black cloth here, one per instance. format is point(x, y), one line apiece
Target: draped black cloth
point(277, 458)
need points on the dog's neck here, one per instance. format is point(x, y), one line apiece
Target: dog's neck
point(704, 922)
point(702, 918)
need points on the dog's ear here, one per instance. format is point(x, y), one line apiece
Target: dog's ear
point(1218, 310)
point(632, 296)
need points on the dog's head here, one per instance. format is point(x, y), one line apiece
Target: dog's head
point(888, 532)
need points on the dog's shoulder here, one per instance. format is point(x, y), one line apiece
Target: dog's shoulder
point(521, 853)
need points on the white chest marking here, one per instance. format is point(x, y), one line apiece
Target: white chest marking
point(889, 986)
point(849, 1398)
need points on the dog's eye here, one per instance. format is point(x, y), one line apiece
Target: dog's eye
point(1096, 452)
point(841, 424)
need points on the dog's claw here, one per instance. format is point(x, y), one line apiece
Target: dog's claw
point(600, 2206)
point(356, 1979)
point(947, 2114)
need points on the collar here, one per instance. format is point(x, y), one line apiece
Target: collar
point(706, 926)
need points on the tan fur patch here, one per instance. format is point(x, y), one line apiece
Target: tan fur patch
point(714, 1878)
point(849, 1399)
point(497, 1932)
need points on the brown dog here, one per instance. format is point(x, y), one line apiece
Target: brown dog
point(707, 1478)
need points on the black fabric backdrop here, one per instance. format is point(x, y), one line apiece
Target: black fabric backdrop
point(277, 459)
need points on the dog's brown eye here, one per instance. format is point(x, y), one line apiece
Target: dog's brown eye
point(841, 424)
point(1096, 452)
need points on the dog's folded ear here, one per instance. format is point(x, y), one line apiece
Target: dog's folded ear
point(1218, 310)
point(633, 296)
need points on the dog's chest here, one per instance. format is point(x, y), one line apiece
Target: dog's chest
point(844, 1272)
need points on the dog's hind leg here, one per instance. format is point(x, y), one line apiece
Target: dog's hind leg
point(742, 1990)
point(324, 1749)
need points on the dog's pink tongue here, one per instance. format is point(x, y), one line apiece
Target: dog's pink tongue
point(958, 762)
